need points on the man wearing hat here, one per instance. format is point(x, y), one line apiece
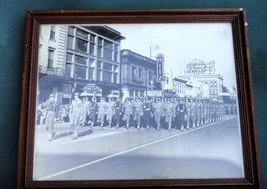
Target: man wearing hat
point(76, 112)
point(50, 116)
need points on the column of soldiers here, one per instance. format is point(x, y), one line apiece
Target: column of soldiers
point(159, 113)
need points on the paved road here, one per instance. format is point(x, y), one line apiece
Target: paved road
point(212, 151)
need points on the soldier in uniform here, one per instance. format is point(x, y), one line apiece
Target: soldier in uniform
point(92, 111)
point(205, 112)
point(76, 111)
point(138, 112)
point(164, 104)
point(102, 110)
point(127, 112)
point(147, 113)
point(193, 112)
point(158, 112)
point(118, 111)
point(181, 112)
point(85, 111)
point(110, 111)
point(188, 112)
point(51, 109)
point(169, 113)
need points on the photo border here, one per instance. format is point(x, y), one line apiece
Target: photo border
point(237, 18)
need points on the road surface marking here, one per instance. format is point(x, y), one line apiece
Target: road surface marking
point(130, 150)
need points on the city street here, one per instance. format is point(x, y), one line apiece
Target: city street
point(99, 153)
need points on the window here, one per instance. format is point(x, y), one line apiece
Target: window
point(99, 51)
point(107, 54)
point(52, 33)
point(92, 38)
point(50, 58)
point(81, 45)
point(80, 71)
point(92, 48)
point(140, 74)
point(68, 69)
point(115, 78)
point(133, 72)
point(70, 42)
point(99, 78)
point(82, 34)
point(107, 66)
point(91, 73)
point(107, 76)
point(69, 57)
point(80, 60)
point(71, 30)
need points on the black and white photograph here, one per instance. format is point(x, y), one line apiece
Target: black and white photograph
point(137, 101)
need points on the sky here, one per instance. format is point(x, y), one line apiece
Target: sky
point(182, 43)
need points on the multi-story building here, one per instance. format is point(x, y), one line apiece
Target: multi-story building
point(179, 86)
point(210, 85)
point(138, 74)
point(79, 56)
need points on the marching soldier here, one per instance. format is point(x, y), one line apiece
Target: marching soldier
point(85, 111)
point(169, 113)
point(51, 109)
point(188, 113)
point(110, 111)
point(118, 111)
point(128, 110)
point(193, 112)
point(92, 111)
point(102, 110)
point(76, 111)
point(147, 113)
point(158, 112)
point(164, 105)
point(138, 112)
point(181, 112)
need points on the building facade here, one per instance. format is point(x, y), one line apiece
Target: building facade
point(138, 74)
point(78, 56)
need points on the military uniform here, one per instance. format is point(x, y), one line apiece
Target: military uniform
point(92, 111)
point(110, 111)
point(118, 112)
point(188, 113)
point(102, 110)
point(138, 111)
point(169, 114)
point(76, 112)
point(181, 112)
point(51, 109)
point(147, 113)
point(158, 113)
point(127, 112)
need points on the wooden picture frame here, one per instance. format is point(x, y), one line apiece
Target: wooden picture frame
point(99, 23)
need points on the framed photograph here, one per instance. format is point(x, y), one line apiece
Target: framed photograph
point(137, 98)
